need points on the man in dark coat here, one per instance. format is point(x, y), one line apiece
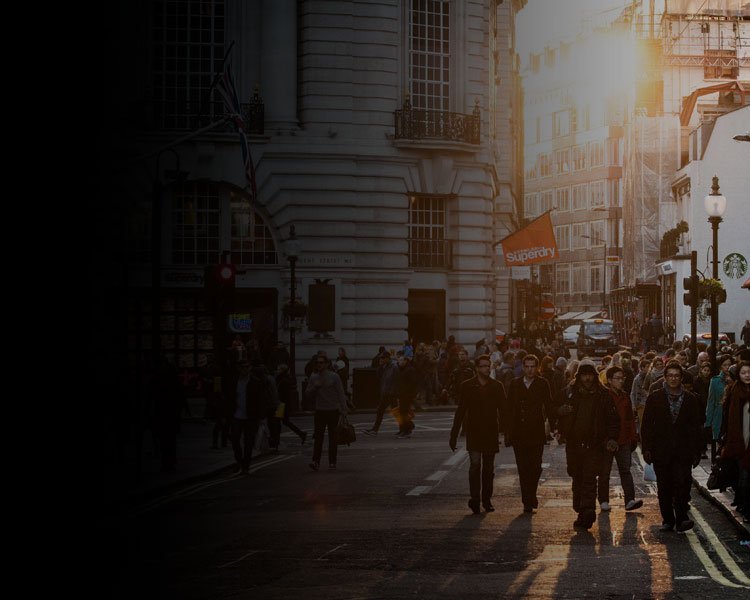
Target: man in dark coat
point(481, 400)
point(671, 438)
point(529, 401)
point(591, 425)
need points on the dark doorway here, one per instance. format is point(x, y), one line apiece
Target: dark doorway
point(426, 315)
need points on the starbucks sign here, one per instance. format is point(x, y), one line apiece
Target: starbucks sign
point(735, 265)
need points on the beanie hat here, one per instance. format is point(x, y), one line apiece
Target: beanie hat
point(561, 362)
point(586, 365)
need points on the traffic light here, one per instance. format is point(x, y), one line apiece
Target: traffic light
point(224, 275)
point(691, 296)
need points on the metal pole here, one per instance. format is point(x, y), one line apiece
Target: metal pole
point(292, 331)
point(604, 282)
point(714, 304)
point(693, 309)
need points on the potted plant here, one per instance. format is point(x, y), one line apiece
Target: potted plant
point(709, 288)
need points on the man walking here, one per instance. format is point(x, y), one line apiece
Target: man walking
point(592, 427)
point(481, 400)
point(672, 440)
point(529, 397)
point(387, 388)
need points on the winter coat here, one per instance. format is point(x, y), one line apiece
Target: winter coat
point(527, 409)
point(606, 423)
point(713, 405)
point(666, 440)
point(621, 401)
point(735, 447)
point(481, 406)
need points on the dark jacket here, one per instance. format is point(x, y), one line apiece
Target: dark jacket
point(524, 424)
point(482, 406)
point(605, 422)
point(683, 439)
point(261, 395)
point(407, 381)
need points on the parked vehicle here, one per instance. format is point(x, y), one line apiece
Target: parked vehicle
point(570, 335)
point(706, 338)
point(596, 337)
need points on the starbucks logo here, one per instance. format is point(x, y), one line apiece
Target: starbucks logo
point(735, 265)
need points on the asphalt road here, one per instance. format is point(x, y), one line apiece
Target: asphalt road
point(392, 522)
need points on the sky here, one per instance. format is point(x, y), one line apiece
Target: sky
point(545, 22)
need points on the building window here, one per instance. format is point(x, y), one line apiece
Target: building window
point(573, 120)
point(545, 164)
point(429, 54)
point(531, 206)
point(187, 50)
point(428, 246)
point(579, 197)
point(597, 234)
point(562, 161)
point(561, 123)
point(579, 278)
point(562, 199)
point(614, 152)
point(596, 278)
point(614, 192)
point(252, 243)
point(562, 237)
point(546, 201)
point(579, 158)
point(579, 231)
point(562, 279)
point(596, 193)
point(596, 154)
point(195, 224)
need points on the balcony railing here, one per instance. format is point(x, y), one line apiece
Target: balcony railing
point(420, 124)
point(430, 254)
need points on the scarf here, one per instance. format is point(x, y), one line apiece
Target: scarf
point(674, 400)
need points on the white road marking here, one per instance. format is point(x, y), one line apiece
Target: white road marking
point(456, 458)
point(707, 562)
point(331, 550)
point(690, 577)
point(436, 476)
point(419, 490)
point(239, 559)
point(714, 540)
point(202, 486)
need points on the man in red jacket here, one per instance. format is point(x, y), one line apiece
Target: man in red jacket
point(481, 400)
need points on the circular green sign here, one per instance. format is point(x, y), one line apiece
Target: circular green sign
point(735, 265)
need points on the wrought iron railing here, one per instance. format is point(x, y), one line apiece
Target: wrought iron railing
point(420, 124)
point(430, 254)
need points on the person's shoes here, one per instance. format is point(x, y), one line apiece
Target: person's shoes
point(528, 509)
point(370, 432)
point(666, 527)
point(580, 524)
point(704, 455)
point(685, 525)
point(303, 438)
point(605, 507)
point(315, 465)
point(474, 506)
point(634, 505)
point(332, 467)
point(244, 470)
point(488, 506)
point(237, 470)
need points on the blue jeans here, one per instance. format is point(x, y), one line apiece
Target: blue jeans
point(624, 458)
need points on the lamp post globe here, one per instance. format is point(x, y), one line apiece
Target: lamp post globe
point(715, 205)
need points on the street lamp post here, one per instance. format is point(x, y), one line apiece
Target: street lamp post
point(715, 205)
point(292, 249)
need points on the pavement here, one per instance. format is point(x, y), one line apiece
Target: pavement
point(196, 461)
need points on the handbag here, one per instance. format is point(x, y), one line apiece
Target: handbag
point(345, 433)
point(648, 473)
point(723, 474)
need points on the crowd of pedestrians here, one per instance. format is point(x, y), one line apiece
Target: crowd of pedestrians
point(525, 392)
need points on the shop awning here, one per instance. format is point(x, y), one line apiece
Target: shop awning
point(568, 315)
point(588, 315)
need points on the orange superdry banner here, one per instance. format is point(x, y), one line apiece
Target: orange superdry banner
point(534, 243)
